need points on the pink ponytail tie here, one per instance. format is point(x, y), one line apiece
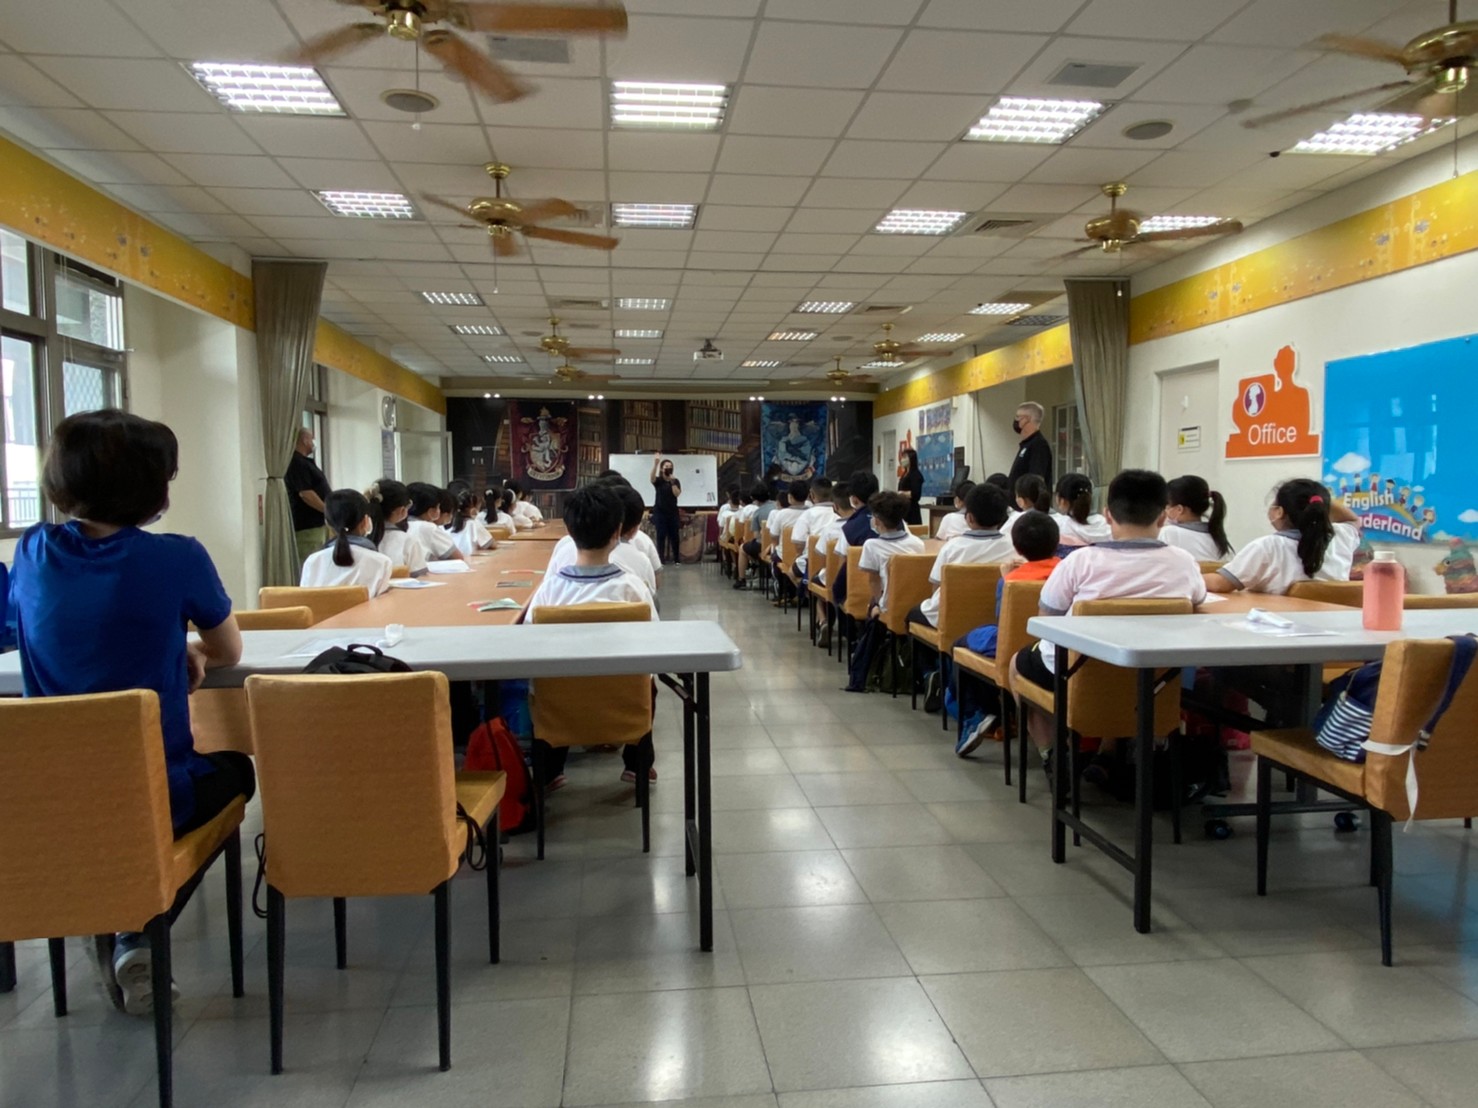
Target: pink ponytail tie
point(1316, 500)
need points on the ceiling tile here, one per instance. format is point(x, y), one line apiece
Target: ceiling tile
point(785, 156)
point(239, 31)
point(548, 149)
point(740, 188)
point(77, 27)
point(817, 55)
point(128, 83)
point(1107, 132)
point(1177, 20)
point(676, 153)
point(893, 245)
point(730, 217)
point(445, 144)
point(1055, 199)
point(170, 198)
point(897, 160)
point(638, 239)
point(655, 187)
point(120, 167)
point(307, 137)
point(833, 220)
point(887, 12)
point(1149, 58)
point(959, 61)
point(661, 48)
point(1071, 166)
point(725, 259)
point(455, 181)
point(1221, 74)
point(186, 133)
point(950, 196)
point(65, 129)
point(577, 103)
point(359, 91)
point(1201, 168)
point(1272, 23)
point(21, 83)
point(746, 241)
point(818, 113)
point(1040, 15)
point(987, 161)
point(797, 242)
point(842, 192)
point(331, 173)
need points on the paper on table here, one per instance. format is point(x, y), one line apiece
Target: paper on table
point(515, 584)
point(314, 647)
point(414, 583)
point(448, 567)
point(1214, 598)
point(503, 604)
point(1274, 626)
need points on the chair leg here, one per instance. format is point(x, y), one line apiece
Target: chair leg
point(1075, 780)
point(1380, 850)
point(943, 685)
point(1264, 821)
point(1177, 788)
point(1023, 740)
point(276, 937)
point(157, 931)
point(7, 967)
point(913, 679)
point(538, 767)
point(959, 684)
point(647, 756)
point(57, 948)
point(443, 975)
point(495, 864)
point(341, 933)
point(1009, 721)
point(233, 914)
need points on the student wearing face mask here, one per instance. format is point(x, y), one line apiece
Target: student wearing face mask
point(1034, 453)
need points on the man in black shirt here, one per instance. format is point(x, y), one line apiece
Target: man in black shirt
point(1034, 455)
point(307, 488)
point(666, 489)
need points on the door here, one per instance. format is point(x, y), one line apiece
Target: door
point(887, 469)
point(1190, 434)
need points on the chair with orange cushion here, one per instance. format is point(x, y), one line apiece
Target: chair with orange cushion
point(857, 601)
point(365, 802)
point(399, 572)
point(907, 586)
point(84, 811)
point(1351, 594)
point(967, 600)
point(1418, 603)
point(919, 529)
point(581, 711)
point(218, 717)
point(1020, 601)
point(820, 591)
point(784, 579)
point(324, 602)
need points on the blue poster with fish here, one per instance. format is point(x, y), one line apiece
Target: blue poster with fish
point(937, 461)
point(1399, 446)
point(793, 436)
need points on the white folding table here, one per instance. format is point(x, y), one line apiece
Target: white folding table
point(1158, 647)
point(683, 653)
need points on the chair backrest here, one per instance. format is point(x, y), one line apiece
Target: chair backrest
point(324, 602)
point(907, 586)
point(749, 532)
point(812, 548)
point(1418, 603)
point(787, 548)
point(967, 599)
point(84, 815)
point(1349, 593)
point(1103, 698)
point(919, 529)
point(276, 619)
point(834, 561)
point(397, 572)
point(574, 711)
point(1413, 677)
point(1020, 601)
point(357, 782)
point(859, 590)
point(1210, 567)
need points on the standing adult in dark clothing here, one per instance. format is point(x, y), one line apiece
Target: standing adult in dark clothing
point(911, 484)
point(1034, 454)
point(307, 489)
point(664, 509)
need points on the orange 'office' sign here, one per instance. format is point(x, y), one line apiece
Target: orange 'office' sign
point(1271, 414)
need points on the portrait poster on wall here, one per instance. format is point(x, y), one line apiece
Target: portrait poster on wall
point(937, 461)
point(542, 443)
point(935, 419)
point(793, 436)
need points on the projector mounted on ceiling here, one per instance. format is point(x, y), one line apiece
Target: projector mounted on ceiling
point(708, 352)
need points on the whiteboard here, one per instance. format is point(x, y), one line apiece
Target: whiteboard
point(697, 473)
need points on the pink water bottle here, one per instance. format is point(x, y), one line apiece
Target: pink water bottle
point(1385, 592)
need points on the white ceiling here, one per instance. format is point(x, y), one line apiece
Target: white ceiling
point(841, 110)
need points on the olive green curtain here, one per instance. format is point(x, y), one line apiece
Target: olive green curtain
point(1098, 322)
point(288, 294)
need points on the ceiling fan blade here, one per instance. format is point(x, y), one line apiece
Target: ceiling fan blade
point(474, 67)
point(537, 211)
point(1078, 253)
point(442, 202)
point(601, 377)
point(1329, 102)
point(1225, 227)
point(1362, 48)
point(563, 19)
point(505, 246)
point(573, 238)
point(325, 47)
point(1438, 105)
point(585, 353)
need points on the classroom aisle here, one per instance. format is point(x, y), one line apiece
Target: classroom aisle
point(890, 933)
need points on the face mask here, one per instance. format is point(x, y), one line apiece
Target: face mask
point(1016, 426)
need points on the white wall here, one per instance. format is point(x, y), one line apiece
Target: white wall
point(353, 457)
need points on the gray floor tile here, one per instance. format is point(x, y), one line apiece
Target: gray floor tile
point(968, 936)
point(929, 1094)
point(1004, 821)
point(747, 760)
point(808, 734)
point(788, 879)
point(767, 829)
point(1335, 1080)
point(1445, 1075)
point(831, 790)
point(848, 758)
point(737, 794)
point(876, 825)
point(1160, 1086)
point(1095, 929)
point(829, 943)
point(624, 954)
point(643, 885)
point(919, 873)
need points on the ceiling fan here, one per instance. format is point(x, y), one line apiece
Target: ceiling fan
point(416, 21)
point(836, 375)
point(503, 217)
point(888, 351)
point(558, 346)
point(1118, 229)
point(1439, 66)
point(573, 375)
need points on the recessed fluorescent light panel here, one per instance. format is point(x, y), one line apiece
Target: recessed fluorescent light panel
point(476, 329)
point(501, 359)
point(878, 364)
point(1178, 222)
point(368, 205)
point(638, 333)
point(759, 363)
point(1023, 119)
point(636, 361)
point(826, 307)
point(941, 336)
point(462, 299)
point(267, 89)
point(916, 221)
point(668, 107)
point(1366, 133)
point(1004, 308)
point(643, 303)
point(671, 216)
point(791, 336)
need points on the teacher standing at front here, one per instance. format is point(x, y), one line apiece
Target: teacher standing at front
point(1034, 452)
point(664, 508)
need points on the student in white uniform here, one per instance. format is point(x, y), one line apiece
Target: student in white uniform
point(467, 529)
point(1314, 539)
point(981, 544)
point(350, 559)
point(594, 516)
point(625, 555)
point(888, 512)
point(830, 538)
point(389, 504)
point(799, 501)
point(955, 523)
point(523, 508)
point(1077, 523)
point(424, 524)
point(1195, 520)
point(728, 510)
point(812, 522)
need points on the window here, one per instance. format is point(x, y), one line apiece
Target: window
point(1068, 453)
point(62, 352)
point(315, 413)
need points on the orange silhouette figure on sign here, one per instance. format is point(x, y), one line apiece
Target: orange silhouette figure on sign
point(1272, 414)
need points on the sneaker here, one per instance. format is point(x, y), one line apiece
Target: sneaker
point(555, 784)
point(133, 970)
point(823, 640)
point(101, 950)
point(933, 696)
point(741, 584)
point(971, 739)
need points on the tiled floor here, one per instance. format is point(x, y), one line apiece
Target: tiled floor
point(890, 933)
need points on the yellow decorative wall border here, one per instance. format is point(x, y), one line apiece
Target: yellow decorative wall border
point(1046, 350)
point(52, 207)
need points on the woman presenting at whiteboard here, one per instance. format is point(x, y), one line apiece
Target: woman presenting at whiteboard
point(664, 508)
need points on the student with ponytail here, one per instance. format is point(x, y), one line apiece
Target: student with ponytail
point(424, 524)
point(1032, 494)
point(468, 531)
point(350, 558)
point(1077, 523)
point(1314, 539)
point(389, 505)
point(1187, 524)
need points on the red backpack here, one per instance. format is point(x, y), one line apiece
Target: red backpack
point(493, 747)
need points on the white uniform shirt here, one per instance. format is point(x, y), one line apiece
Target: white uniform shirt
point(562, 555)
point(1194, 538)
point(370, 569)
point(831, 538)
point(609, 584)
point(474, 535)
point(524, 510)
point(1011, 517)
point(643, 542)
point(811, 522)
point(403, 549)
point(634, 562)
point(1072, 533)
point(971, 548)
point(781, 518)
point(504, 521)
point(435, 540)
point(1271, 564)
point(726, 512)
point(1134, 569)
point(878, 552)
point(952, 525)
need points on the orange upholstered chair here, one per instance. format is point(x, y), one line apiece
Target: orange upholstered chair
point(218, 717)
point(967, 600)
point(1349, 593)
point(1020, 601)
point(1418, 603)
point(324, 603)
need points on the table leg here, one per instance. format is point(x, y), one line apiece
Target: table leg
point(1059, 753)
point(690, 796)
point(1144, 800)
point(705, 817)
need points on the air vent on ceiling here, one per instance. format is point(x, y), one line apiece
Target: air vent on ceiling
point(884, 309)
point(543, 51)
point(1037, 321)
point(1092, 75)
point(574, 305)
point(1001, 225)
